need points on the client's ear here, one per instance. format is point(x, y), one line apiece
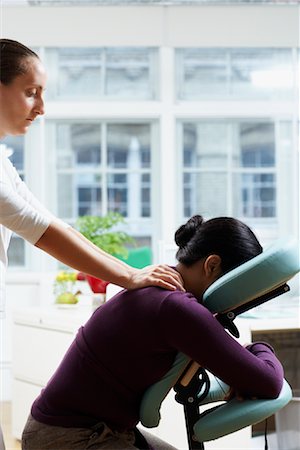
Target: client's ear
point(212, 266)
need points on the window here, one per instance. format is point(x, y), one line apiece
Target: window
point(103, 167)
point(93, 73)
point(234, 73)
point(229, 168)
point(234, 157)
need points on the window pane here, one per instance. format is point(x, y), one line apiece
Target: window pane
point(255, 195)
point(117, 193)
point(205, 144)
point(89, 194)
point(205, 193)
point(254, 73)
point(89, 200)
point(78, 195)
point(257, 144)
point(78, 72)
point(204, 72)
point(262, 73)
point(66, 192)
point(128, 73)
point(78, 146)
point(128, 146)
point(14, 147)
point(89, 73)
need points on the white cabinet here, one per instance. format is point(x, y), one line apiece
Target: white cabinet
point(24, 394)
point(40, 340)
point(39, 351)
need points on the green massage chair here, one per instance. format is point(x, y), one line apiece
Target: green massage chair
point(251, 284)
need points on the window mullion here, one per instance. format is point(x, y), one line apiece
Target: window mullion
point(104, 168)
point(229, 144)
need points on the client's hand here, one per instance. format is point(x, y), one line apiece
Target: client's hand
point(160, 275)
point(233, 393)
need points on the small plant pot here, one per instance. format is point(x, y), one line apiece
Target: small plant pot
point(97, 285)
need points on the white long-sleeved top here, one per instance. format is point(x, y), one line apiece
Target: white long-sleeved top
point(20, 212)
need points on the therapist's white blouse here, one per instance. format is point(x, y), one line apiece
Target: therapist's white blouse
point(20, 212)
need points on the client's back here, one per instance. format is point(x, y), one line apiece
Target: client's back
point(119, 352)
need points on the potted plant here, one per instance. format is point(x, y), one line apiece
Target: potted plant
point(100, 231)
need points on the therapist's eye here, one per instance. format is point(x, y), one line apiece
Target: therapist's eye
point(31, 93)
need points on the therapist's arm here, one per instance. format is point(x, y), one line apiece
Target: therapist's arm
point(74, 250)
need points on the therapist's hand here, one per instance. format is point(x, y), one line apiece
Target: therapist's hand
point(160, 275)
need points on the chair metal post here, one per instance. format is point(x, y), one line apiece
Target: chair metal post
point(191, 414)
point(187, 394)
point(226, 318)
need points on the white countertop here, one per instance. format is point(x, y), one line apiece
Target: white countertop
point(274, 315)
point(64, 318)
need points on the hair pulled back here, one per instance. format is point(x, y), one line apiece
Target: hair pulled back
point(227, 237)
point(13, 59)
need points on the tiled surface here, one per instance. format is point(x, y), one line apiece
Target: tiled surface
point(5, 415)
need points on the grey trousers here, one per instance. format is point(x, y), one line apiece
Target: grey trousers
point(39, 436)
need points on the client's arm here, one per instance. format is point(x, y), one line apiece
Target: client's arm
point(190, 328)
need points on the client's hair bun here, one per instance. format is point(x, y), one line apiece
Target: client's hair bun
point(185, 233)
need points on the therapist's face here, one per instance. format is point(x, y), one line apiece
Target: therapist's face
point(21, 101)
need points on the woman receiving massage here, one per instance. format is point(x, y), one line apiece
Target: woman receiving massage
point(92, 400)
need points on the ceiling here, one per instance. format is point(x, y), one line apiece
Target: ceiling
point(142, 2)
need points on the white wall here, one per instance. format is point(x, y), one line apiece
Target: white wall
point(249, 26)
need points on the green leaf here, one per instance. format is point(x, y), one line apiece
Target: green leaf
point(98, 230)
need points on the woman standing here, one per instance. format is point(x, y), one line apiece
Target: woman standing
point(22, 84)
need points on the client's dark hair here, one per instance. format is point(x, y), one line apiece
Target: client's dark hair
point(229, 238)
point(13, 59)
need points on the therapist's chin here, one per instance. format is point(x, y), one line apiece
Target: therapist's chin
point(22, 129)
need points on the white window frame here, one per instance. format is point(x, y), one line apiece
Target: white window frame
point(164, 113)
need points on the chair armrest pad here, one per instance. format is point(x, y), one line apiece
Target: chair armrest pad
point(155, 394)
point(235, 415)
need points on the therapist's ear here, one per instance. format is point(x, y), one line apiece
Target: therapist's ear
point(212, 266)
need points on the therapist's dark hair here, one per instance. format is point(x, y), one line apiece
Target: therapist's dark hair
point(227, 237)
point(14, 60)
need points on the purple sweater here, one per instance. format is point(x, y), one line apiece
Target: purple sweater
point(130, 342)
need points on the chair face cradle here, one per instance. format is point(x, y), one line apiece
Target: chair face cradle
point(251, 284)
